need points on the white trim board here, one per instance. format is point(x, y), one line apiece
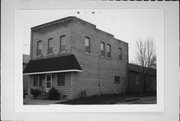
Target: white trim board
point(59, 71)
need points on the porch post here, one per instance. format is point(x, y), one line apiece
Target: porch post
point(29, 87)
point(71, 78)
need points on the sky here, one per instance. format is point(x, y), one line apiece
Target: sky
point(129, 25)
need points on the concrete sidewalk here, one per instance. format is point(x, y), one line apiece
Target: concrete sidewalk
point(40, 102)
point(139, 100)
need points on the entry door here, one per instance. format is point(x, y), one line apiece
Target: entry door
point(48, 82)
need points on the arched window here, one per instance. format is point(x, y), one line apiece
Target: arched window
point(108, 50)
point(50, 45)
point(39, 48)
point(102, 47)
point(63, 43)
point(87, 45)
point(120, 53)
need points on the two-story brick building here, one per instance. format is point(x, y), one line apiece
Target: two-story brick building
point(72, 55)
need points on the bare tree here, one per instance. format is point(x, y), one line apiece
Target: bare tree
point(145, 53)
point(145, 57)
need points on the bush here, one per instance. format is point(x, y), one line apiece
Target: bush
point(53, 94)
point(25, 93)
point(35, 92)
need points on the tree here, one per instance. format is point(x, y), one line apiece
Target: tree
point(145, 53)
point(145, 57)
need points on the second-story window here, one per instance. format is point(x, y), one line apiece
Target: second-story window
point(102, 49)
point(39, 48)
point(87, 45)
point(50, 46)
point(120, 53)
point(63, 43)
point(108, 50)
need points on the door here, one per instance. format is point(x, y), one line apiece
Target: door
point(48, 82)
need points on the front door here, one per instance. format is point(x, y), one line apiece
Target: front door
point(48, 82)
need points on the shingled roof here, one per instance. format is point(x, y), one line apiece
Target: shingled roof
point(139, 69)
point(66, 63)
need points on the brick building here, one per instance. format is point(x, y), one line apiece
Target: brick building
point(25, 77)
point(73, 56)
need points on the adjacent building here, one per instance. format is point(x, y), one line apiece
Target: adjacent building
point(74, 56)
point(25, 77)
point(141, 79)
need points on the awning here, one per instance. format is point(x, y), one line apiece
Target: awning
point(66, 63)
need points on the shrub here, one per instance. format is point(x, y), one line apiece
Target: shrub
point(35, 92)
point(53, 94)
point(25, 93)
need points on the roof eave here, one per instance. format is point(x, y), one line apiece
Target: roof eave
point(58, 71)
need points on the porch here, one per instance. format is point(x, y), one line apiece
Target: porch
point(56, 72)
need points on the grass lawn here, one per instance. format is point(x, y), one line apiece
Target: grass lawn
point(108, 99)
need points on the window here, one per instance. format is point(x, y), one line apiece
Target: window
point(63, 43)
point(64, 96)
point(40, 80)
point(87, 45)
point(39, 48)
point(108, 50)
point(49, 81)
point(137, 80)
point(61, 79)
point(120, 53)
point(117, 79)
point(50, 46)
point(37, 81)
point(102, 49)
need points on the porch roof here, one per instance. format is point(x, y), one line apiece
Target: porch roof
point(66, 63)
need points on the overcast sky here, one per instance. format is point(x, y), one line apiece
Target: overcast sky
point(128, 25)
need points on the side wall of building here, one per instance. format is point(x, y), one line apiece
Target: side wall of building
point(98, 76)
point(25, 80)
point(136, 85)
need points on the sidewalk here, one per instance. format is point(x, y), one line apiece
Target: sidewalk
point(139, 100)
point(40, 102)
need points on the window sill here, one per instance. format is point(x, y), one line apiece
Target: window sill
point(50, 53)
point(102, 56)
point(108, 58)
point(120, 61)
point(63, 52)
point(39, 56)
point(86, 53)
